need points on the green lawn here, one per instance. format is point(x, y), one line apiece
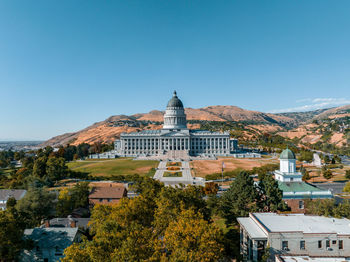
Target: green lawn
point(118, 166)
point(172, 174)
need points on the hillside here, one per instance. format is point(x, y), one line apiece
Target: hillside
point(328, 131)
point(250, 122)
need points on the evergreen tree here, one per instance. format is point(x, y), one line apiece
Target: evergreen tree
point(239, 199)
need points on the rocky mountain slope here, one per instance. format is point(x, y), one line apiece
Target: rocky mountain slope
point(287, 124)
point(329, 128)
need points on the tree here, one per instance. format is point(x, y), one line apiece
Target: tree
point(191, 238)
point(56, 168)
point(36, 205)
point(72, 198)
point(326, 159)
point(270, 199)
point(306, 176)
point(342, 209)
point(327, 174)
point(122, 232)
point(10, 237)
point(171, 201)
point(306, 156)
point(239, 199)
point(347, 187)
point(347, 174)
point(320, 207)
point(211, 188)
point(131, 231)
point(39, 168)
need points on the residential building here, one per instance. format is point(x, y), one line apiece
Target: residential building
point(5, 194)
point(49, 243)
point(295, 190)
point(107, 195)
point(293, 234)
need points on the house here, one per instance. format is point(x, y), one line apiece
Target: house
point(5, 194)
point(49, 243)
point(279, 258)
point(295, 190)
point(107, 195)
point(293, 234)
point(67, 222)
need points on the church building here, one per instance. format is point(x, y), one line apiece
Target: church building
point(295, 190)
point(175, 140)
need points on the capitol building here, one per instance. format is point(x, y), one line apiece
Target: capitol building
point(175, 140)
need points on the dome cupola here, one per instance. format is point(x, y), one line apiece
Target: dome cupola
point(174, 117)
point(175, 101)
point(287, 154)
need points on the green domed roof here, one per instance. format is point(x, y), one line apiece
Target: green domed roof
point(287, 154)
point(175, 101)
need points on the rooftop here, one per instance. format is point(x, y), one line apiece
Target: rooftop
point(175, 101)
point(287, 154)
point(307, 258)
point(297, 187)
point(255, 230)
point(107, 192)
point(51, 237)
point(65, 222)
point(302, 223)
point(5, 194)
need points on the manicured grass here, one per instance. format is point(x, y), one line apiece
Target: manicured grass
point(110, 167)
point(172, 174)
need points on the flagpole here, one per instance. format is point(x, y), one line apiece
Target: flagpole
point(222, 175)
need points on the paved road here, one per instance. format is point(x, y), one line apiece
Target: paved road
point(336, 188)
point(345, 160)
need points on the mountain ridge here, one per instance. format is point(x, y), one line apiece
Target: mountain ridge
point(111, 128)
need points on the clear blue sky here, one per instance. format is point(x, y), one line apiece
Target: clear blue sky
point(65, 64)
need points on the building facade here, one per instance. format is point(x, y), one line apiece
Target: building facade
point(175, 140)
point(295, 190)
point(293, 234)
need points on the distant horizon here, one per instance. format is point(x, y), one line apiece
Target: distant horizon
point(67, 64)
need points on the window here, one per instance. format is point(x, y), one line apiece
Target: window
point(302, 245)
point(340, 244)
point(328, 243)
point(301, 204)
point(319, 243)
point(334, 242)
point(284, 245)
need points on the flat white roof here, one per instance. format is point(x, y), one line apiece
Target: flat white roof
point(307, 258)
point(303, 223)
point(252, 228)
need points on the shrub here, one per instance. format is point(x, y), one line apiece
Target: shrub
point(327, 174)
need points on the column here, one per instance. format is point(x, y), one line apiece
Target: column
point(222, 145)
point(206, 145)
point(255, 250)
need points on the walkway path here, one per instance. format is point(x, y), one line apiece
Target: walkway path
point(185, 179)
